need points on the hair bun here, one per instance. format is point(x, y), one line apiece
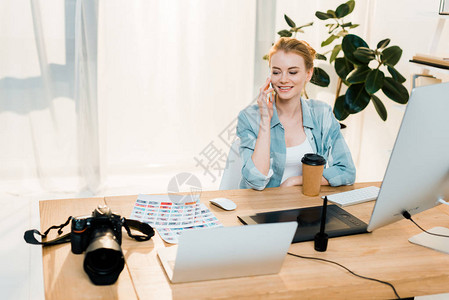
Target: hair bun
point(311, 50)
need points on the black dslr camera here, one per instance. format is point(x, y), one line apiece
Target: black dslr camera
point(100, 235)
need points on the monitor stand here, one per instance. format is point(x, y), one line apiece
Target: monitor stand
point(438, 243)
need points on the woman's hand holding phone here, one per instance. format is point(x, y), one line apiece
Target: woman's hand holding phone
point(265, 101)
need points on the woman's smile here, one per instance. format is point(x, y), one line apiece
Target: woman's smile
point(283, 89)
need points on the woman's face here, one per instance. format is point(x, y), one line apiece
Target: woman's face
point(289, 74)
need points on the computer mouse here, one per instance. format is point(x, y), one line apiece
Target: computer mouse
point(224, 203)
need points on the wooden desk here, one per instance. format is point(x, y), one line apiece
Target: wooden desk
point(384, 254)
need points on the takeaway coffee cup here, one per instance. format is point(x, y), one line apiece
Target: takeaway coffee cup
point(312, 171)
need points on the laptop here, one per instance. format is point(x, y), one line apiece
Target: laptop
point(226, 252)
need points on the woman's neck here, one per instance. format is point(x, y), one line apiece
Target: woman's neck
point(288, 108)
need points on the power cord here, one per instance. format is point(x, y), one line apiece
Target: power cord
point(442, 201)
point(407, 215)
point(353, 273)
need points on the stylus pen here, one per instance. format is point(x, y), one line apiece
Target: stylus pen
point(321, 238)
point(323, 215)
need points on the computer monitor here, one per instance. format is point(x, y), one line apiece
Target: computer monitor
point(418, 171)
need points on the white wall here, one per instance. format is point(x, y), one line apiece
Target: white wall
point(410, 25)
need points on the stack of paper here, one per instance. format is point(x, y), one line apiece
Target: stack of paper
point(171, 214)
point(425, 79)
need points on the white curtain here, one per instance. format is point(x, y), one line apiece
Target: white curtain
point(48, 97)
point(172, 76)
point(98, 96)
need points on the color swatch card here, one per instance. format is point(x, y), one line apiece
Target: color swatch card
point(171, 214)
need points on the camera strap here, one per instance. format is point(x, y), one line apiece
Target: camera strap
point(139, 226)
point(30, 237)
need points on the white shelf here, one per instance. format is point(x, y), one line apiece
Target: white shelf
point(431, 68)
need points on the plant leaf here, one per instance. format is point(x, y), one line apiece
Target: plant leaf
point(329, 40)
point(320, 77)
point(395, 90)
point(342, 10)
point(374, 81)
point(322, 16)
point(359, 74)
point(335, 52)
point(346, 24)
point(331, 13)
point(396, 75)
point(364, 54)
point(343, 67)
point(285, 33)
point(354, 26)
point(383, 43)
point(391, 55)
point(349, 44)
point(356, 98)
point(351, 4)
point(289, 21)
point(380, 107)
point(339, 108)
point(320, 56)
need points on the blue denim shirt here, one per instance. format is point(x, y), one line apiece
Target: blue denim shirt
point(322, 131)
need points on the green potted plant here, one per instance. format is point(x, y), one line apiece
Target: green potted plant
point(363, 70)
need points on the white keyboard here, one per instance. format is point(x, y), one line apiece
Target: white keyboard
point(355, 196)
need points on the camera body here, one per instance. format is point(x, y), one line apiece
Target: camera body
point(83, 228)
point(100, 236)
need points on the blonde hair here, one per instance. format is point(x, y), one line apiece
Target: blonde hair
point(302, 48)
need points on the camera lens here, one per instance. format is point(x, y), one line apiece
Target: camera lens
point(103, 260)
point(104, 257)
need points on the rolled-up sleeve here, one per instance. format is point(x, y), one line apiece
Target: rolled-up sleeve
point(251, 176)
point(341, 168)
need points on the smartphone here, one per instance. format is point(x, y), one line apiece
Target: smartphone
point(271, 95)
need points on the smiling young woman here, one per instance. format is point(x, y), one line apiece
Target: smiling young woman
point(276, 133)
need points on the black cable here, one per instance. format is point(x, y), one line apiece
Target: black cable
point(353, 273)
point(407, 215)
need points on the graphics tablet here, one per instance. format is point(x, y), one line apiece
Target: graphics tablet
point(338, 222)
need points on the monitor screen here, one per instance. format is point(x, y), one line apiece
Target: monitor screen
point(418, 171)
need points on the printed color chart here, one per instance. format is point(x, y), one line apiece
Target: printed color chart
point(170, 217)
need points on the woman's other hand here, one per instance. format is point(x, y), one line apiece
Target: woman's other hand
point(291, 181)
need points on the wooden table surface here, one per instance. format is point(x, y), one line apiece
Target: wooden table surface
point(384, 254)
